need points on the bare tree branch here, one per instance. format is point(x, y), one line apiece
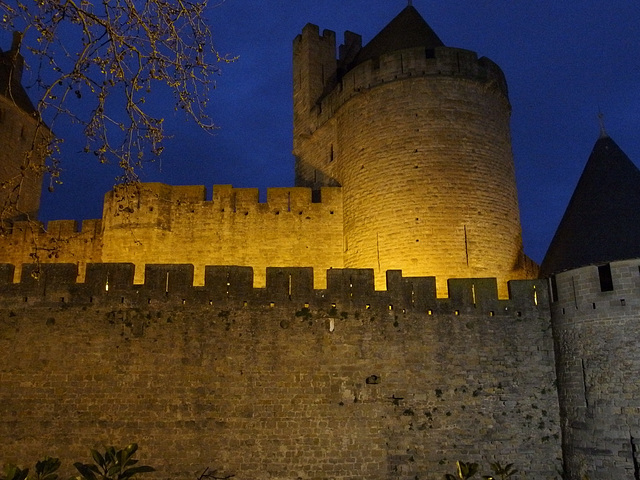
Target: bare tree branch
point(98, 62)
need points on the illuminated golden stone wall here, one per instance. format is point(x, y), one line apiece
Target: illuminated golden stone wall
point(156, 223)
point(420, 143)
point(177, 225)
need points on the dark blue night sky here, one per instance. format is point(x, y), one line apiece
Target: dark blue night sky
point(564, 61)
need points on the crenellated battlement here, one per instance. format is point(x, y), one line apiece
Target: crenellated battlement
point(155, 203)
point(55, 229)
point(597, 291)
point(113, 284)
point(406, 64)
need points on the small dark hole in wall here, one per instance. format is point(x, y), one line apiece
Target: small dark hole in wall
point(623, 302)
point(373, 380)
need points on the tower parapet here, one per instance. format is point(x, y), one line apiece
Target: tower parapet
point(404, 64)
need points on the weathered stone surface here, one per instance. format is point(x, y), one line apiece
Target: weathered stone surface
point(264, 385)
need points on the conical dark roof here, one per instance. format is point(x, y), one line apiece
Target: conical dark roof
point(11, 64)
point(602, 222)
point(407, 30)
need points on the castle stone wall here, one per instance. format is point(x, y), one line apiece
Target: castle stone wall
point(29, 243)
point(597, 335)
point(162, 224)
point(281, 382)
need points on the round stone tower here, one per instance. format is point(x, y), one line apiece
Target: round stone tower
point(24, 138)
point(593, 265)
point(417, 134)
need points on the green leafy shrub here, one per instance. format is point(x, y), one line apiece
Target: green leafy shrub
point(113, 465)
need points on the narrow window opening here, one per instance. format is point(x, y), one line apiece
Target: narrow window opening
point(584, 383)
point(466, 245)
point(473, 294)
point(634, 457)
point(606, 281)
point(622, 302)
point(331, 153)
point(554, 288)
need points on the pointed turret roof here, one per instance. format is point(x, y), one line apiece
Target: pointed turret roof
point(11, 65)
point(407, 30)
point(602, 222)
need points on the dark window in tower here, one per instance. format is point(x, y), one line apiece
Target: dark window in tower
point(430, 53)
point(331, 153)
point(606, 281)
